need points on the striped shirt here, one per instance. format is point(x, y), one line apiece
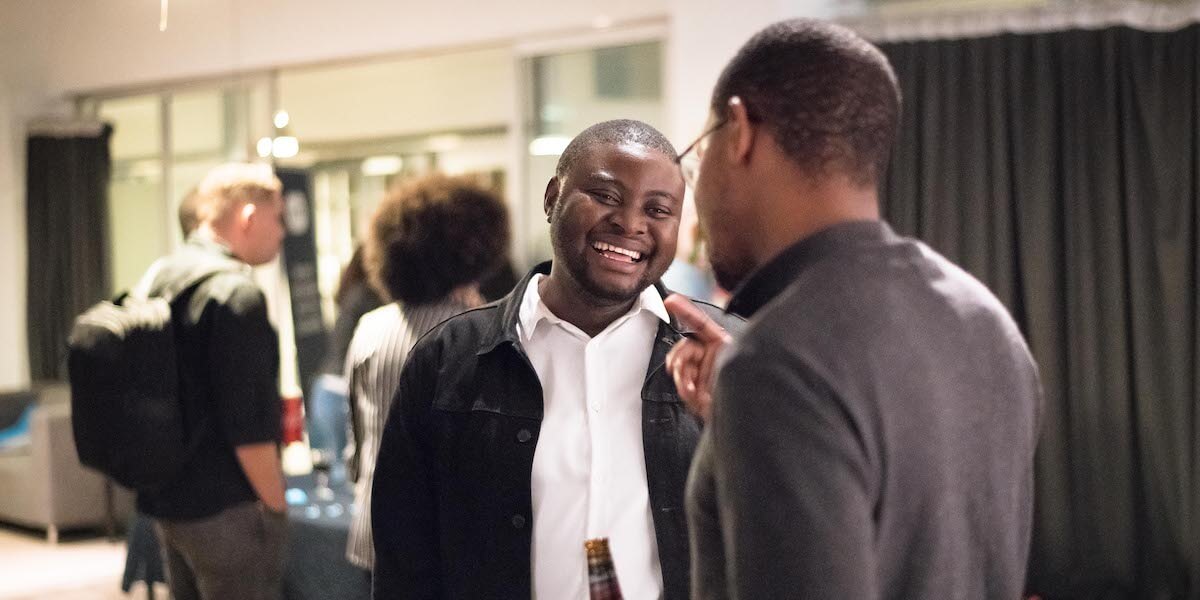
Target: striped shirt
point(377, 353)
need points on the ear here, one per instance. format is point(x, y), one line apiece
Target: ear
point(247, 213)
point(550, 197)
point(743, 131)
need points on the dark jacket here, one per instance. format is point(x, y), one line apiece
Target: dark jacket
point(452, 506)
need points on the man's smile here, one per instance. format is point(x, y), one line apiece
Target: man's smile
point(617, 253)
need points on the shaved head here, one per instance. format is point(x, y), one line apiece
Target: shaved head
point(616, 132)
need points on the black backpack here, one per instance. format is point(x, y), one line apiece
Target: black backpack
point(126, 413)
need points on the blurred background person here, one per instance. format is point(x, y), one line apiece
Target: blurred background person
point(430, 244)
point(502, 280)
point(328, 406)
point(222, 521)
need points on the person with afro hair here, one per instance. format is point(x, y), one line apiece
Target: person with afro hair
point(430, 243)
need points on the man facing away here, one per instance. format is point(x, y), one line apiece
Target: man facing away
point(872, 432)
point(526, 427)
point(222, 520)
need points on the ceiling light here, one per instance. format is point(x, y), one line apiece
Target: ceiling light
point(378, 166)
point(285, 146)
point(264, 147)
point(282, 119)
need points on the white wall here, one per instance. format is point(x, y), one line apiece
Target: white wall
point(22, 95)
point(104, 43)
point(378, 99)
point(14, 367)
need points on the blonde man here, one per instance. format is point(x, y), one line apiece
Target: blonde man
point(222, 520)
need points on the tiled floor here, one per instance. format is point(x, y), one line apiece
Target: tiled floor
point(82, 566)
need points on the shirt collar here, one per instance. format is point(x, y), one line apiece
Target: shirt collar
point(208, 241)
point(533, 310)
point(772, 278)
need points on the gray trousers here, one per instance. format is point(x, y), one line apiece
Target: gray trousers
point(236, 554)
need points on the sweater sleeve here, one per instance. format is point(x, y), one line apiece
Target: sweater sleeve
point(794, 484)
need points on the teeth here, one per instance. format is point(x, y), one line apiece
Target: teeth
point(635, 255)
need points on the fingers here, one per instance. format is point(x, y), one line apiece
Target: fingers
point(705, 374)
point(699, 404)
point(694, 319)
point(692, 362)
point(686, 363)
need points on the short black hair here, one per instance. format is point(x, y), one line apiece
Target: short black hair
point(618, 131)
point(435, 234)
point(828, 96)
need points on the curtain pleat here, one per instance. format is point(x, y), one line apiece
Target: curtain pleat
point(67, 220)
point(1063, 170)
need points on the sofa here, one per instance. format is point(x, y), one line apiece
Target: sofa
point(42, 484)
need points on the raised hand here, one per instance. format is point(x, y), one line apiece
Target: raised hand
point(692, 361)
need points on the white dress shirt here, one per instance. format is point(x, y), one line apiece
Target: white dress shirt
point(589, 467)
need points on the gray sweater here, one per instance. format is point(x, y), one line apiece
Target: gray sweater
point(872, 433)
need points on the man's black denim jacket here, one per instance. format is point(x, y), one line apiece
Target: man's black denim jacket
point(452, 507)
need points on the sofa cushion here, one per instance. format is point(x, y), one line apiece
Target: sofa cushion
point(13, 404)
point(15, 437)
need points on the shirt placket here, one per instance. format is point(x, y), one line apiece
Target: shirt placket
point(594, 373)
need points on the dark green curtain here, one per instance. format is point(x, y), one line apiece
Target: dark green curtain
point(67, 232)
point(1063, 169)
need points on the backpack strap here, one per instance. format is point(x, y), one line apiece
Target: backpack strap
point(185, 285)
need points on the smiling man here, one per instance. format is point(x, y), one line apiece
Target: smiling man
point(526, 427)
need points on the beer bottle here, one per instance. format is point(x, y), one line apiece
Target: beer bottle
point(602, 576)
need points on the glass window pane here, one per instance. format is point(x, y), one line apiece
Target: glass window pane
point(136, 210)
point(198, 123)
point(137, 126)
point(399, 97)
point(136, 217)
point(257, 119)
point(629, 72)
point(185, 176)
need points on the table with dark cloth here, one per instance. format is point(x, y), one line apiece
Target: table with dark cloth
point(316, 569)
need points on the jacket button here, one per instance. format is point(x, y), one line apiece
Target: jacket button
point(524, 435)
point(518, 521)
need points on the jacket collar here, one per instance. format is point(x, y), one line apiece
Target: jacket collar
point(505, 330)
point(534, 310)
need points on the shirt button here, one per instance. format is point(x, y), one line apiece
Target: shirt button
point(518, 521)
point(524, 435)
